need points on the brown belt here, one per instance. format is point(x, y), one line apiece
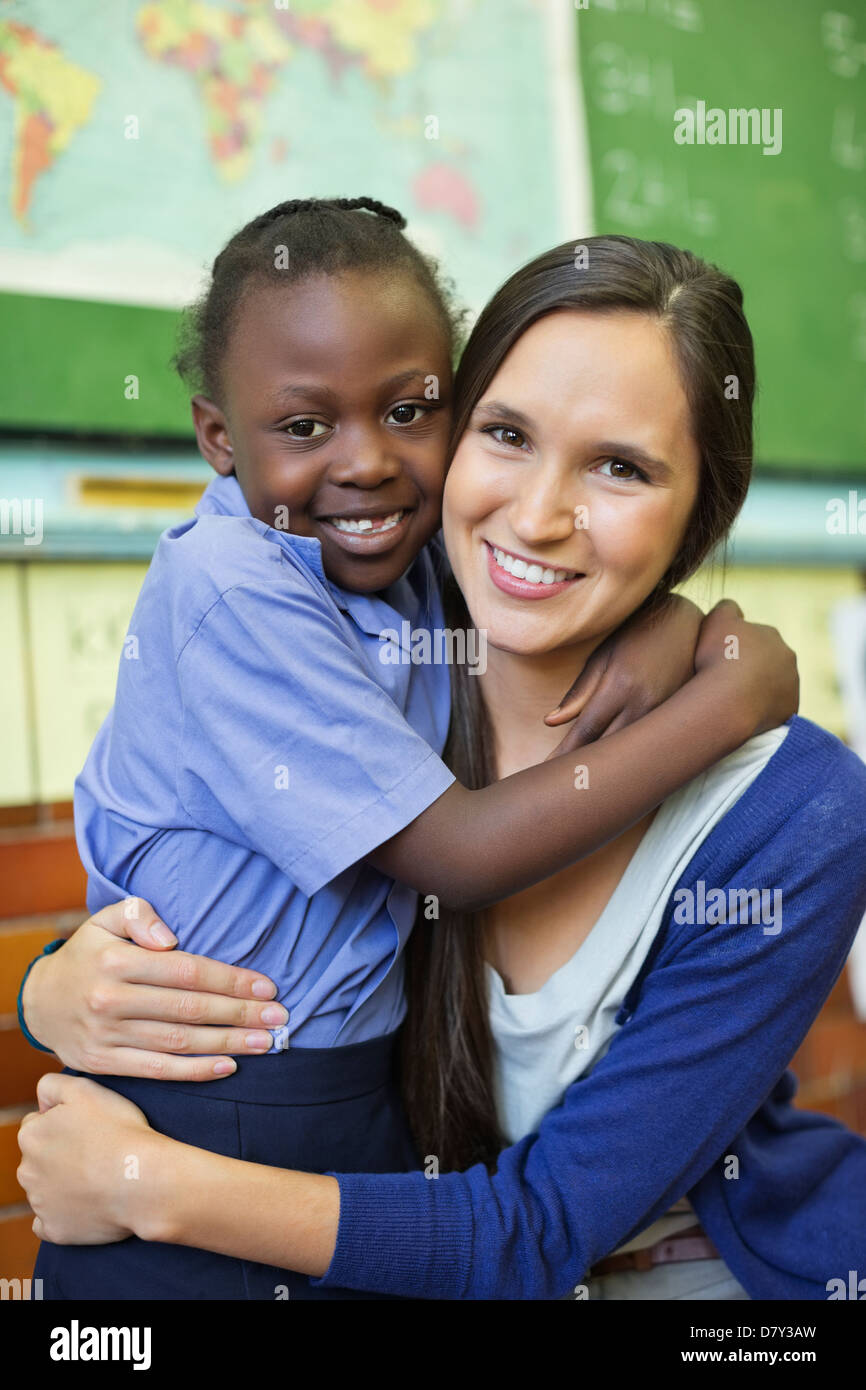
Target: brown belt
point(692, 1244)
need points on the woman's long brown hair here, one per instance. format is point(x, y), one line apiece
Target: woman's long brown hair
point(447, 1062)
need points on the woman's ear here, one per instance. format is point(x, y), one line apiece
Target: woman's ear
point(212, 435)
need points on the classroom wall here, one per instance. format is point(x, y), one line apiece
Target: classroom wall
point(64, 626)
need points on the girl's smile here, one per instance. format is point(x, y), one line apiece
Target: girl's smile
point(369, 533)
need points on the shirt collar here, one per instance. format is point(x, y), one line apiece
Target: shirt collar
point(371, 612)
point(224, 497)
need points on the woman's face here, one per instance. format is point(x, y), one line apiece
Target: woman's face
point(570, 492)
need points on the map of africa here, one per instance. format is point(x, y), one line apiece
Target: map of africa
point(156, 119)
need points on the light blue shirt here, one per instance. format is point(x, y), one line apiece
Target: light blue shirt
point(257, 750)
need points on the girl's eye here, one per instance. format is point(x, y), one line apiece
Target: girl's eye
point(305, 429)
point(406, 414)
point(510, 436)
point(622, 469)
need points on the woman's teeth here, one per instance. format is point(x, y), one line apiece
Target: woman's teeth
point(533, 574)
point(367, 523)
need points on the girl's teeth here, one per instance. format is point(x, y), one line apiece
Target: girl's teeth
point(533, 574)
point(387, 523)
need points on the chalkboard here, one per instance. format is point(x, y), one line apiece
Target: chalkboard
point(77, 365)
point(790, 226)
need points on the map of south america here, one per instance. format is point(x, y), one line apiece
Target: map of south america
point(52, 99)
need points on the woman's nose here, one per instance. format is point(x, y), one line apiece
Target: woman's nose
point(544, 509)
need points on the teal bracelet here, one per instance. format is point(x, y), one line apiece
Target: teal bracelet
point(52, 946)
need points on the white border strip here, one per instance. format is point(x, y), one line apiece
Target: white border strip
point(571, 162)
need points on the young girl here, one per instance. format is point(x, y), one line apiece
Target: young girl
point(263, 770)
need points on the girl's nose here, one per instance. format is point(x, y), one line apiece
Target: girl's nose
point(365, 460)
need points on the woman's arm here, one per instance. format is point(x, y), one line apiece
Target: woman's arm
point(721, 1013)
point(95, 1172)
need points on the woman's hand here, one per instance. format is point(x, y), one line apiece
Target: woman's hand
point(109, 1006)
point(638, 667)
point(82, 1158)
point(760, 667)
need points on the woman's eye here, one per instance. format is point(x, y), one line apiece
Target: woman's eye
point(621, 468)
point(305, 429)
point(406, 414)
point(513, 438)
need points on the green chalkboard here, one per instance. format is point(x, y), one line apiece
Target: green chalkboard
point(790, 226)
point(69, 364)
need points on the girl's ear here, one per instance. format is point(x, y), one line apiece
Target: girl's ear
point(212, 435)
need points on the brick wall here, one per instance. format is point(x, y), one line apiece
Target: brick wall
point(42, 891)
point(831, 1064)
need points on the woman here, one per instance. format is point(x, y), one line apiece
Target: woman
point(596, 438)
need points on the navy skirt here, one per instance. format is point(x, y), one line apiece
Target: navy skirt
point(312, 1109)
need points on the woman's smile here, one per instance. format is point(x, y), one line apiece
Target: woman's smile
point(522, 577)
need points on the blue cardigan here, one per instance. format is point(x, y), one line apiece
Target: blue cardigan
point(694, 1079)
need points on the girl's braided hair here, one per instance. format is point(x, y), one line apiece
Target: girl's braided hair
point(294, 240)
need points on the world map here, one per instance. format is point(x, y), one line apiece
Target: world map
point(234, 57)
point(137, 135)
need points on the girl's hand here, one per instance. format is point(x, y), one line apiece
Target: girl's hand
point(82, 1157)
point(753, 658)
point(638, 667)
point(109, 1006)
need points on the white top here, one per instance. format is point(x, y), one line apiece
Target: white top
point(546, 1040)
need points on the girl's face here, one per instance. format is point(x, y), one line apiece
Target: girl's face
point(335, 418)
point(572, 487)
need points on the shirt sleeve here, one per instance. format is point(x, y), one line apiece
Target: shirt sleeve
point(720, 1016)
point(289, 747)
